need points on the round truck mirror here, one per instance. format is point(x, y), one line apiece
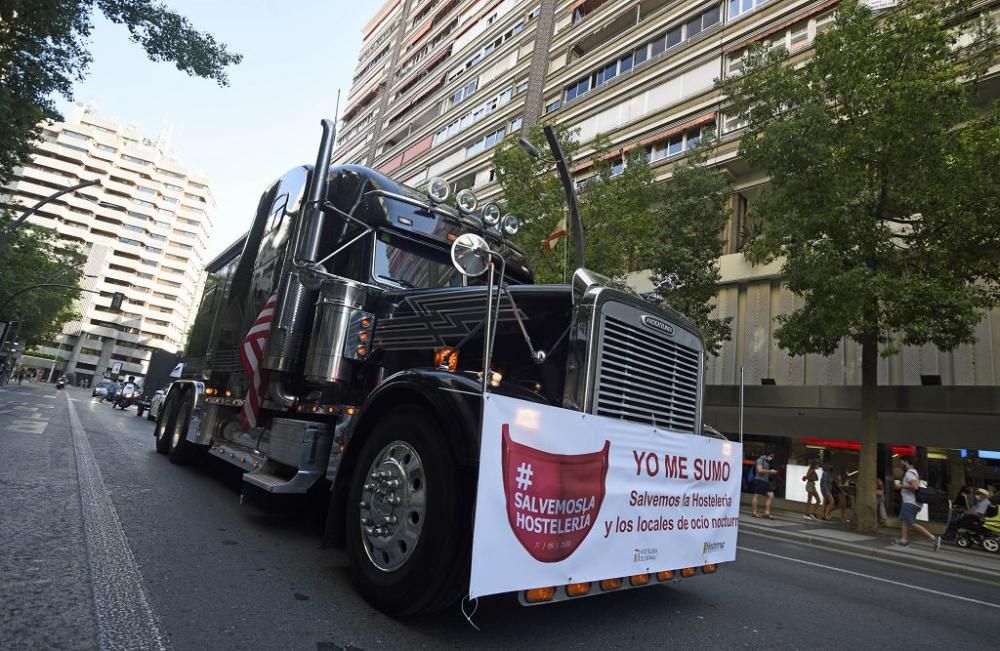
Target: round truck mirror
point(470, 254)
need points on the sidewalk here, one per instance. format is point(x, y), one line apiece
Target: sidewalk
point(791, 526)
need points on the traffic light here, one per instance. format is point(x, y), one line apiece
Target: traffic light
point(116, 301)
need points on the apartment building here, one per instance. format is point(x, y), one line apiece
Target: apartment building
point(144, 231)
point(439, 84)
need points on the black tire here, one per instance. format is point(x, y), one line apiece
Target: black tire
point(432, 576)
point(149, 416)
point(165, 424)
point(183, 451)
point(962, 541)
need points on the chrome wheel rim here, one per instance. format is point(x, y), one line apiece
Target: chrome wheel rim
point(991, 544)
point(393, 503)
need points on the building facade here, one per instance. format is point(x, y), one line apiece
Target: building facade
point(440, 83)
point(144, 231)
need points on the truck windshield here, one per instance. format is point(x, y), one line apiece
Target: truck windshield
point(400, 262)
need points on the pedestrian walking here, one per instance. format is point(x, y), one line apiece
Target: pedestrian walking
point(909, 508)
point(880, 501)
point(762, 485)
point(826, 488)
point(813, 499)
point(20, 375)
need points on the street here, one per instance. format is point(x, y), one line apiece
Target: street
point(108, 545)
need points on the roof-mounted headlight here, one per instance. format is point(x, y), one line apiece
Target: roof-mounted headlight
point(438, 190)
point(491, 214)
point(511, 225)
point(466, 200)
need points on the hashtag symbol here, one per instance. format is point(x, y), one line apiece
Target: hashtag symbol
point(524, 473)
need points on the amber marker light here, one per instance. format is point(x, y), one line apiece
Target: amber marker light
point(229, 394)
point(315, 408)
point(209, 391)
point(577, 589)
point(362, 351)
point(639, 579)
point(688, 571)
point(537, 595)
point(329, 410)
point(446, 357)
point(708, 568)
point(611, 584)
point(351, 411)
point(665, 575)
point(365, 323)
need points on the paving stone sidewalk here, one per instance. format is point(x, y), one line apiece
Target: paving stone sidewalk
point(790, 525)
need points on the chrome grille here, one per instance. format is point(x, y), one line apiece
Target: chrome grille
point(646, 376)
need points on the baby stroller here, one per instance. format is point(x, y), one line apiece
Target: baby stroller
point(985, 534)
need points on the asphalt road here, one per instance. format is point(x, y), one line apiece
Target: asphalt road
point(105, 544)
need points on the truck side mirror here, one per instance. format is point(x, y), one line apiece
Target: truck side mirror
point(470, 254)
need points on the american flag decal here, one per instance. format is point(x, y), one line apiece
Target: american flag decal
point(251, 354)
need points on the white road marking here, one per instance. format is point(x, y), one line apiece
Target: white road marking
point(125, 618)
point(869, 576)
point(27, 426)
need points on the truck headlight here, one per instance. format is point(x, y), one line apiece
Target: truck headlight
point(438, 190)
point(511, 225)
point(466, 200)
point(491, 214)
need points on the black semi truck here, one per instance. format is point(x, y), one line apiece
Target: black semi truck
point(370, 385)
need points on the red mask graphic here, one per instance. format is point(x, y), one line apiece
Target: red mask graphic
point(552, 499)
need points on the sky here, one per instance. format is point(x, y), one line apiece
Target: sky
point(296, 55)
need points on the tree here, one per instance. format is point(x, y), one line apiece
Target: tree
point(687, 242)
point(884, 194)
point(631, 222)
point(35, 256)
point(43, 50)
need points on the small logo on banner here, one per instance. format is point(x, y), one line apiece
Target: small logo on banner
point(713, 547)
point(552, 499)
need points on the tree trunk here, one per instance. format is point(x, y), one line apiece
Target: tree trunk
point(865, 507)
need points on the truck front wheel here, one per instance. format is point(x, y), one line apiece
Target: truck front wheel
point(408, 520)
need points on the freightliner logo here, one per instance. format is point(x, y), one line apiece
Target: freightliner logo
point(657, 324)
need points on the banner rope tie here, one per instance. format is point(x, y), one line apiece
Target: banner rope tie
point(468, 616)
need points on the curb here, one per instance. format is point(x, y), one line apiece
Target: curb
point(943, 567)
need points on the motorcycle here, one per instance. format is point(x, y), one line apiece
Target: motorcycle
point(125, 398)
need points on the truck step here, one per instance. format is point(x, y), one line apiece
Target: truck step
point(270, 479)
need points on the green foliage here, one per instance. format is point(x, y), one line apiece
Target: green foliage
point(690, 217)
point(880, 181)
point(631, 223)
point(43, 50)
point(35, 256)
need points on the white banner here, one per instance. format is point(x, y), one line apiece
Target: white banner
point(566, 497)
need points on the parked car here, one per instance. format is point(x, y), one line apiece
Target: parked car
point(101, 388)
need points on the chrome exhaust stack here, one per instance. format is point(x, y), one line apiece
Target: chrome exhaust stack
point(285, 341)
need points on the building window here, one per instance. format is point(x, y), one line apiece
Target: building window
point(677, 143)
point(740, 7)
point(650, 50)
point(552, 106)
point(489, 140)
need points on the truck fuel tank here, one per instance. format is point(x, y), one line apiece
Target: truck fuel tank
point(341, 333)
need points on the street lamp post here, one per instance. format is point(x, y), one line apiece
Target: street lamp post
point(30, 211)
